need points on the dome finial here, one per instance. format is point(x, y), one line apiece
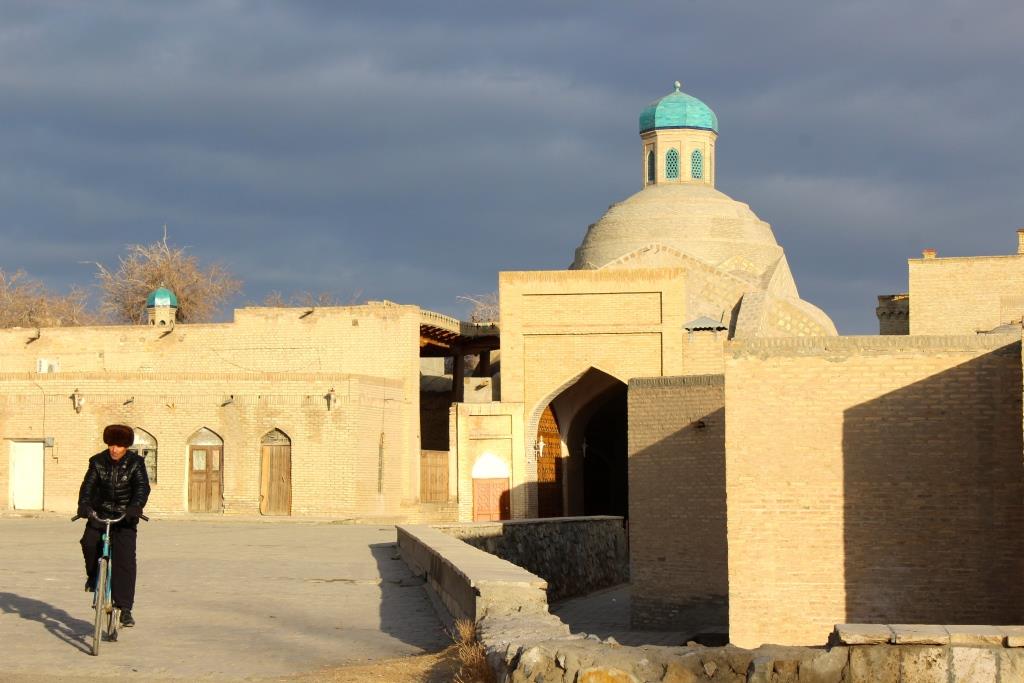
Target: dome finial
point(678, 86)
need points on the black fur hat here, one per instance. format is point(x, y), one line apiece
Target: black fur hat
point(119, 435)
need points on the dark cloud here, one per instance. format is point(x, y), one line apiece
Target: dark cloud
point(411, 150)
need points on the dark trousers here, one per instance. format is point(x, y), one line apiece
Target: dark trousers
point(122, 555)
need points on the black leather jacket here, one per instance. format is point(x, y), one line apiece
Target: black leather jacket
point(109, 487)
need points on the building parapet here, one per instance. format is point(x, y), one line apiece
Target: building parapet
point(868, 345)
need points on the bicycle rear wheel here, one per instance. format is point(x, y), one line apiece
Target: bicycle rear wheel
point(99, 601)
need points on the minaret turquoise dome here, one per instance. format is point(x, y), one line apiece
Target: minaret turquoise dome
point(161, 296)
point(678, 110)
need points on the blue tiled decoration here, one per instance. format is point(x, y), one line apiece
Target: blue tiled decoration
point(678, 110)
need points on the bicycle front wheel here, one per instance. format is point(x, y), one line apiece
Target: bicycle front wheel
point(100, 602)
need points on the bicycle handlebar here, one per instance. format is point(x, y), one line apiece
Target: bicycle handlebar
point(93, 515)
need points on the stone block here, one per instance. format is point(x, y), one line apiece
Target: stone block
point(874, 664)
point(863, 634)
point(1014, 636)
point(919, 634)
point(684, 670)
point(973, 664)
point(825, 666)
point(1011, 664)
point(606, 674)
point(976, 636)
point(924, 664)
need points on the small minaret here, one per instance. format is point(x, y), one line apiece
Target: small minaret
point(162, 307)
point(678, 134)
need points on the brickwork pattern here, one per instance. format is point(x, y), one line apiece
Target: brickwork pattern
point(677, 510)
point(873, 479)
point(965, 294)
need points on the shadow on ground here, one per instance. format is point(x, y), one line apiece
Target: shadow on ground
point(62, 625)
point(422, 629)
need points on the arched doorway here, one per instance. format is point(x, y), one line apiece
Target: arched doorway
point(491, 499)
point(549, 466)
point(591, 423)
point(205, 472)
point(605, 453)
point(276, 474)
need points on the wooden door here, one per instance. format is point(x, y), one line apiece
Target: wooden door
point(433, 476)
point(276, 480)
point(549, 467)
point(26, 475)
point(205, 489)
point(490, 500)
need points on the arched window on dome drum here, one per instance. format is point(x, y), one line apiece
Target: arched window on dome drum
point(650, 166)
point(672, 164)
point(696, 165)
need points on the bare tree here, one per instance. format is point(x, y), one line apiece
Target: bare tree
point(25, 302)
point(201, 291)
point(276, 299)
point(484, 307)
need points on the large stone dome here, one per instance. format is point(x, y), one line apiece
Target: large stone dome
point(694, 219)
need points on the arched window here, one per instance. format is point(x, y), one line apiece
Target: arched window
point(145, 446)
point(650, 166)
point(696, 165)
point(672, 164)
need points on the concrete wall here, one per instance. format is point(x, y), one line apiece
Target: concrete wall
point(677, 506)
point(270, 369)
point(575, 555)
point(873, 479)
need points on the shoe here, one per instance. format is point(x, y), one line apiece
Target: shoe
point(90, 586)
point(126, 618)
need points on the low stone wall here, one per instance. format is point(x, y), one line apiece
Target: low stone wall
point(527, 644)
point(469, 582)
point(575, 555)
point(861, 654)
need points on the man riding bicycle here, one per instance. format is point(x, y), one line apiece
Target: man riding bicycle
point(115, 483)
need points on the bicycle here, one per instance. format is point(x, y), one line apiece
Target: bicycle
point(102, 602)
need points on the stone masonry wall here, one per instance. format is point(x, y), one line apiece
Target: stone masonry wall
point(677, 506)
point(575, 555)
point(873, 479)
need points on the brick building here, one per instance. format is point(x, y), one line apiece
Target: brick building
point(777, 478)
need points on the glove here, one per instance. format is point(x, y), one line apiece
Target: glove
point(132, 513)
point(84, 511)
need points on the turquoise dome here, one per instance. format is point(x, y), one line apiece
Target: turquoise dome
point(678, 110)
point(161, 296)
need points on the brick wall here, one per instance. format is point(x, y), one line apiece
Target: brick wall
point(556, 325)
point(965, 294)
point(873, 479)
point(271, 368)
point(677, 512)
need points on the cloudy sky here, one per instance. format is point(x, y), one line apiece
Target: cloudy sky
point(411, 150)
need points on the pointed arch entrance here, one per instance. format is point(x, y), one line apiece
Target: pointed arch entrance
point(275, 473)
point(205, 472)
point(591, 475)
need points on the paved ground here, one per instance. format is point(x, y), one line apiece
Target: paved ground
point(217, 600)
point(606, 613)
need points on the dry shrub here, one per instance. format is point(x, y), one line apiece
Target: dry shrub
point(201, 291)
point(470, 656)
point(25, 302)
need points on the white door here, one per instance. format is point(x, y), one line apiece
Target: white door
point(27, 475)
